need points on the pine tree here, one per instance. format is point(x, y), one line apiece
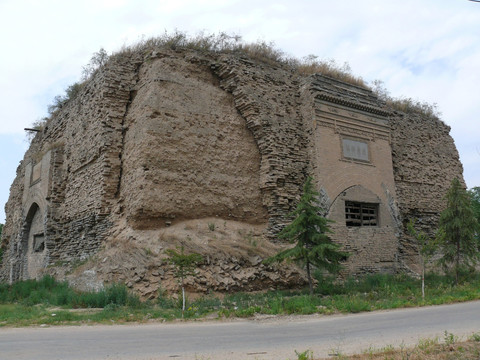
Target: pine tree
point(1, 243)
point(457, 229)
point(475, 196)
point(309, 231)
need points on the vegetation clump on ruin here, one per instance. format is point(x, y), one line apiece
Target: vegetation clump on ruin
point(405, 105)
point(97, 61)
point(260, 51)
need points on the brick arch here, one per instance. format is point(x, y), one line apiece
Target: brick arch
point(27, 223)
point(32, 244)
point(358, 193)
point(344, 180)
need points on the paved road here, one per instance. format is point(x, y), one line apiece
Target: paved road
point(261, 339)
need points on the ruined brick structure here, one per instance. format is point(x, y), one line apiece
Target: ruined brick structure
point(154, 141)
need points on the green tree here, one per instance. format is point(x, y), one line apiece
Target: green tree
point(426, 248)
point(457, 228)
point(184, 265)
point(309, 231)
point(1, 244)
point(475, 197)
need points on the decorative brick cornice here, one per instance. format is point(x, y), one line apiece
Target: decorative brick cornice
point(352, 104)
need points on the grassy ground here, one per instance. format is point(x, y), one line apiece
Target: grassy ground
point(50, 302)
point(449, 348)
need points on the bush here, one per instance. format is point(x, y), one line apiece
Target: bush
point(98, 60)
point(51, 292)
point(115, 294)
point(60, 101)
point(403, 104)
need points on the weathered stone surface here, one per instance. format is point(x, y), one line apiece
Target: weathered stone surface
point(212, 149)
point(425, 160)
point(188, 149)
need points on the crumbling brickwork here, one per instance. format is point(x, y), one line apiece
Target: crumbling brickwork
point(154, 140)
point(269, 101)
point(425, 161)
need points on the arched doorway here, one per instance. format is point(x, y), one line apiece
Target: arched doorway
point(33, 244)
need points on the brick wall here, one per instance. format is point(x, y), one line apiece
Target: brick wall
point(162, 137)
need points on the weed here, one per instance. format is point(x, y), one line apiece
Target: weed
point(337, 353)
point(475, 337)
point(306, 355)
point(163, 300)
point(426, 344)
point(449, 338)
point(211, 226)
point(75, 264)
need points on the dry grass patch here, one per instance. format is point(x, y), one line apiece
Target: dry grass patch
point(426, 349)
point(260, 51)
point(312, 65)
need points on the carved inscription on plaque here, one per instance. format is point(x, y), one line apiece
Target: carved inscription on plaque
point(355, 149)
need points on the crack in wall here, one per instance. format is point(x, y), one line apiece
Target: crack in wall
point(132, 95)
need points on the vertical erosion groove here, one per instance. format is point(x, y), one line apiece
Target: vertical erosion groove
point(133, 93)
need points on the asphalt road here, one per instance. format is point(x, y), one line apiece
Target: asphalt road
point(273, 338)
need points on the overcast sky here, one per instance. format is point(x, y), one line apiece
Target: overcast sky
point(425, 49)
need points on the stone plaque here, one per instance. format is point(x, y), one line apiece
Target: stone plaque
point(37, 172)
point(355, 149)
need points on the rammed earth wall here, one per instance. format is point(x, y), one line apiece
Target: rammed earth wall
point(159, 138)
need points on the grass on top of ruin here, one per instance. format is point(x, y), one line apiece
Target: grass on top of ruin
point(50, 302)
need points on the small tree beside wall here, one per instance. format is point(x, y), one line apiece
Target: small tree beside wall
point(426, 249)
point(309, 232)
point(457, 230)
point(184, 266)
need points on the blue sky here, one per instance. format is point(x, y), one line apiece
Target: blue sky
point(425, 49)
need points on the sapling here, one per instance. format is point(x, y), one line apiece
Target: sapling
point(184, 265)
point(426, 249)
